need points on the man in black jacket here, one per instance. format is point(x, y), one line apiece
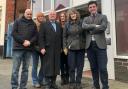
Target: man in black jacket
point(24, 35)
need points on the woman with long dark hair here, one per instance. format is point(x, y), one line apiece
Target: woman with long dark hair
point(63, 61)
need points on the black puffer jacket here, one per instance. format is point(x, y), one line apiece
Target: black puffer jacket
point(24, 29)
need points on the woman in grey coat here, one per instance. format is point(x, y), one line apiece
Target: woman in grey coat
point(74, 47)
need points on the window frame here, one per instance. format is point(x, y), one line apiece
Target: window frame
point(115, 55)
point(116, 23)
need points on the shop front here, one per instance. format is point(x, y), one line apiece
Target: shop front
point(116, 33)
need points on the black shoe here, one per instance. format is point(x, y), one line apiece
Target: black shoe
point(54, 86)
point(95, 88)
point(14, 88)
point(64, 81)
point(78, 86)
point(47, 87)
point(72, 86)
point(43, 83)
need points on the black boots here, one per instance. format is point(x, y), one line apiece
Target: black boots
point(64, 80)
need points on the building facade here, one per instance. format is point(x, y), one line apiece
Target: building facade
point(117, 14)
point(2, 23)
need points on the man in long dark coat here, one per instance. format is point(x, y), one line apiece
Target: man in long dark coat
point(50, 46)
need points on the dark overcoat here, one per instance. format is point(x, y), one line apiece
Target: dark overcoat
point(51, 41)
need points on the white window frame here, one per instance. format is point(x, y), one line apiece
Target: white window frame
point(33, 6)
point(50, 8)
point(53, 7)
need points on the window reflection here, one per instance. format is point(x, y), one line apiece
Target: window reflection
point(122, 26)
point(60, 4)
point(37, 6)
point(46, 5)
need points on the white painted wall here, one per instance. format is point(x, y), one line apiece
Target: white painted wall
point(107, 7)
point(79, 2)
point(2, 31)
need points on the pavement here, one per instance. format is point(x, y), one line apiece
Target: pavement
point(5, 76)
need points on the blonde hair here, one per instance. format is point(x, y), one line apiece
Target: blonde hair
point(73, 10)
point(39, 14)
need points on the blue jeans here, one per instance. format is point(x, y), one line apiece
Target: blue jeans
point(98, 63)
point(37, 77)
point(20, 57)
point(76, 64)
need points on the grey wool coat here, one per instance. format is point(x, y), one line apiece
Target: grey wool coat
point(89, 24)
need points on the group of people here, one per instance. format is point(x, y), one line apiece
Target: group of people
point(59, 45)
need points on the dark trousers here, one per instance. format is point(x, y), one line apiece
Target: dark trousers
point(76, 64)
point(64, 66)
point(98, 63)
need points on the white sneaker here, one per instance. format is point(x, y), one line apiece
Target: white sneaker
point(37, 85)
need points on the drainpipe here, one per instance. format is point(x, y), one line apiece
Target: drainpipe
point(15, 3)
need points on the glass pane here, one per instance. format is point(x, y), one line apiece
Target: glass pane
point(37, 6)
point(47, 5)
point(122, 26)
point(59, 4)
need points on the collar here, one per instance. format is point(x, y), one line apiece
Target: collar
point(52, 21)
point(94, 14)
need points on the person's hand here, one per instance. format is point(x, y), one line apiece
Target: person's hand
point(65, 51)
point(26, 43)
point(43, 51)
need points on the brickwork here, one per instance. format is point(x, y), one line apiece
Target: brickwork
point(21, 5)
point(121, 69)
point(9, 12)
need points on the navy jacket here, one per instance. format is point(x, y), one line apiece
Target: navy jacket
point(24, 29)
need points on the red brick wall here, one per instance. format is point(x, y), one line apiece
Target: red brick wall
point(9, 12)
point(121, 69)
point(21, 5)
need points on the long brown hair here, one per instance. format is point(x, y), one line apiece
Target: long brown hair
point(59, 18)
point(73, 10)
point(61, 14)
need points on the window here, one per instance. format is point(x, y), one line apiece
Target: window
point(37, 6)
point(122, 27)
point(55, 4)
point(46, 5)
point(60, 4)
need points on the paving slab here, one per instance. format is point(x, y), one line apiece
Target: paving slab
point(5, 76)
